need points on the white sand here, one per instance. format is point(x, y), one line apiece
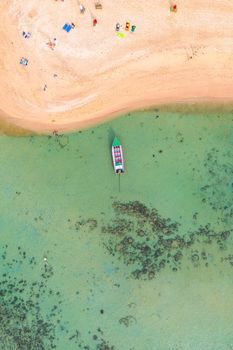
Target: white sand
point(171, 57)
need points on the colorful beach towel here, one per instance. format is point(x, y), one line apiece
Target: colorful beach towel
point(120, 35)
point(67, 27)
point(133, 28)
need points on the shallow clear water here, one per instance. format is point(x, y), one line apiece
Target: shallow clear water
point(92, 267)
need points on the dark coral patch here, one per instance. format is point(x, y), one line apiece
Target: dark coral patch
point(147, 243)
point(23, 325)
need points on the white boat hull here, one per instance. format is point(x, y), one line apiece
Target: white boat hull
point(118, 160)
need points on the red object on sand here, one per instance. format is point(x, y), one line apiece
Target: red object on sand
point(94, 22)
point(174, 7)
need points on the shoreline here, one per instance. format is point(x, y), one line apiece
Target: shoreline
point(14, 127)
point(91, 75)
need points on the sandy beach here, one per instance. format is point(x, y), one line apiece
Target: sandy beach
point(91, 74)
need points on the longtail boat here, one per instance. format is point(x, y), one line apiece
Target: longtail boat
point(117, 156)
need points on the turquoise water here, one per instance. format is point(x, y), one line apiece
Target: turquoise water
point(147, 266)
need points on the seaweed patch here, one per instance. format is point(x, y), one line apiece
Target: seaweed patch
point(127, 320)
point(100, 342)
point(82, 224)
point(31, 311)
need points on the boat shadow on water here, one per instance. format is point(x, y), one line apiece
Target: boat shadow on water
point(111, 135)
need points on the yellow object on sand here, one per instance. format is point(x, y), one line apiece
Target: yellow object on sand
point(121, 35)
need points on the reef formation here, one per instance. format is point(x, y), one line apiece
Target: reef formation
point(147, 242)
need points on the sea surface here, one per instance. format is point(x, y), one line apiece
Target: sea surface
point(92, 261)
